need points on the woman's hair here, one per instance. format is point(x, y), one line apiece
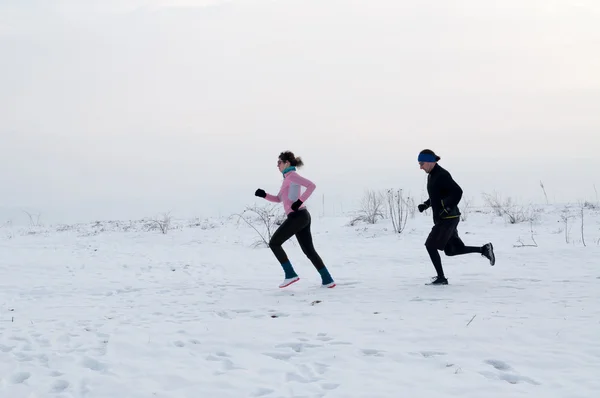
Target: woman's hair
point(288, 156)
point(429, 152)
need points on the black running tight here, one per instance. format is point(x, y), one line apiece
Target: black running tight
point(297, 223)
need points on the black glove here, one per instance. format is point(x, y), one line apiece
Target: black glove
point(422, 207)
point(296, 205)
point(260, 193)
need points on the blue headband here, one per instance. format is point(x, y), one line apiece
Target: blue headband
point(427, 157)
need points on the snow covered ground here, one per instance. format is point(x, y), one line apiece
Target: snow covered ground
point(114, 310)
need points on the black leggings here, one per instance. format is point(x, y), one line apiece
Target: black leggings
point(444, 236)
point(297, 223)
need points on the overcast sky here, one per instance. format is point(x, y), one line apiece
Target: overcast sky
point(125, 109)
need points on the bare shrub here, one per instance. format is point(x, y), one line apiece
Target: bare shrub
point(64, 228)
point(372, 208)
point(565, 217)
point(398, 209)
point(512, 212)
point(34, 218)
point(162, 223)
point(582, 210)
point(263, 220)
point(494, 200)
point(202, 224)
point(465, 209)
point(534, 244)
point(544, 190)
point(411, 206)
point(516, 214)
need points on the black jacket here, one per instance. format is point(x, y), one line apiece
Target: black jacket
point(444, 194)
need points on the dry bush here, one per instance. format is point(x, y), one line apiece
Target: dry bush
point(520, 243)
point(372, 208)
point(263, 220)
point(465, 209)
point(512, 212)
point(398, 208)
point(162, 223)
point(34, 218)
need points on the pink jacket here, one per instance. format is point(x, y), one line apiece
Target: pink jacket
point(290, 191)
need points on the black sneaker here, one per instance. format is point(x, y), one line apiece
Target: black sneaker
point(438, 280)
point(487, 251)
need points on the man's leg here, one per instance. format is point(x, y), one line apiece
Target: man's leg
point(456, 247)
point(434, 243)
point(437, 240)
point(436, 260)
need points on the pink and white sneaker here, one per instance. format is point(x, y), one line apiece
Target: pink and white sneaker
point(328, 285)
point(289, 281)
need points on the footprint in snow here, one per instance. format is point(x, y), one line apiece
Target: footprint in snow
point(43, 358)
point(506, 373)
point(223, 314)
point(282, 356)
point(304, 376)
point(23, 357)
point(320, 368)
point(298, 347)
point(372, 352)
point(340, 343)
point(329, 386)
point(276, 314)
point(324, 337)
point(20, 377)
point(44, 343)
point(242, 311)
point(223, 357)
point(18, 338)
point(509, 378)
point(515, 379)
point(498, 365)
point(59, 386)
point(431, 354)
point(93, 364)
point(426, 299)
point(261, 392)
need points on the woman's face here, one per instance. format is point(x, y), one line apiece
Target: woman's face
point(281, 165)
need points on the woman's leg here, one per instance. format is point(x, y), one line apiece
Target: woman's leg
point(285, 231)
point(305, 240)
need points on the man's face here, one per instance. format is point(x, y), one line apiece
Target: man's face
point(426, 166)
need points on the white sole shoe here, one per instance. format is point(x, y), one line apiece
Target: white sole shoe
point(289, 281)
